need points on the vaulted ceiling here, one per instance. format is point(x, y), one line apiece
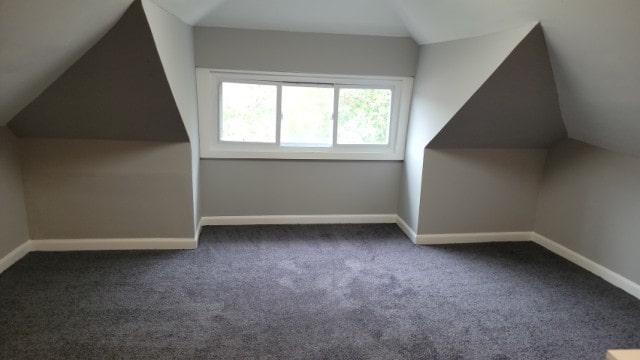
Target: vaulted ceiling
point(593, 44)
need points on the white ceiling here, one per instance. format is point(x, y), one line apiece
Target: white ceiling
point(189, 11)
point(593, 44)
point(362, 17)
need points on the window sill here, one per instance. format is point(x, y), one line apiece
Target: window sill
point(301, 155)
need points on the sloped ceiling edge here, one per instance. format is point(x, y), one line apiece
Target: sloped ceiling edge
point(117, 90)
point(516, 107)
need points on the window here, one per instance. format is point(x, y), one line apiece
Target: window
point(294, 116)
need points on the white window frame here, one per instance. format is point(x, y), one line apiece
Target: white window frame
point(208, 86)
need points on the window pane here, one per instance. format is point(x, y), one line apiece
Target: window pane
point(307, 116)
point(248, 112)
point(363, 116)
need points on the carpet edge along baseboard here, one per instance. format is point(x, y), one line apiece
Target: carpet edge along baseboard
point(420, 239)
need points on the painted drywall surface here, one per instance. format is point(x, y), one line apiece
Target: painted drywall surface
point(117, 90)
point(291, 187)
point(174, 41)
point(480, 190)
point(517, 107)
point(448, 74)
point(189, 11)
point(235, 49)
point(590, 203)
point(266, 187)
point(107, 189)
point(365, 17)
point(13, 216)
point(594, 50)
point(40, 40)
point(592, 46)
point(410, 186)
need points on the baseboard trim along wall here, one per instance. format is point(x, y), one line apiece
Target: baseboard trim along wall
point(462, 238)
point(299, 219)
point(422, 239)
point(607, 274)
point(95, 245)
point(441, 239)
point(114, 244)
point(406, 229)
point(15, 255)
point(468, 238)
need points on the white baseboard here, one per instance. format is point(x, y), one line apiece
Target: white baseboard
point(299, 219)
point(406, 229)
point(468, 238)
point(423, 239)
point(15, 255)
point(198, 231)
point(609, 275)
point(461, 238)
point(114, 244)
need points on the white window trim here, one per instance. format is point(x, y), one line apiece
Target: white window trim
point(210, 147)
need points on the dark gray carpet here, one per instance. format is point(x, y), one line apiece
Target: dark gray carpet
point(312, 292)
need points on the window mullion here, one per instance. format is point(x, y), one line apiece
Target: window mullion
point(361, 104)
point(336, 98)
point(278, 114)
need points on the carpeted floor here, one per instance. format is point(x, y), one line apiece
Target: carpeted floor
point(312, 292)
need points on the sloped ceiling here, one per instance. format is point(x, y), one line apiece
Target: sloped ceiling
point(593, 44)
point(189, 11)
point(117, 90)
point(40, 39)
point(517, 107)
point(448, 74)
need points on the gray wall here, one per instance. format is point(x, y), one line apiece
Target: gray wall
point(517, 107)
point(107, 189)
point(590, 203)
point(13, 216)
point(283, 187)
point(480, 190)
point(292, 187)
point(448, 75)
point(174, 41)
point(117, 90)
point(235, 49)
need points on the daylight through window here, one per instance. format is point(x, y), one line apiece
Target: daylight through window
point(260, 115)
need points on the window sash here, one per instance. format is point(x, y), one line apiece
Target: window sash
point(279, 114)
point(209, 82)
point(220, 114)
